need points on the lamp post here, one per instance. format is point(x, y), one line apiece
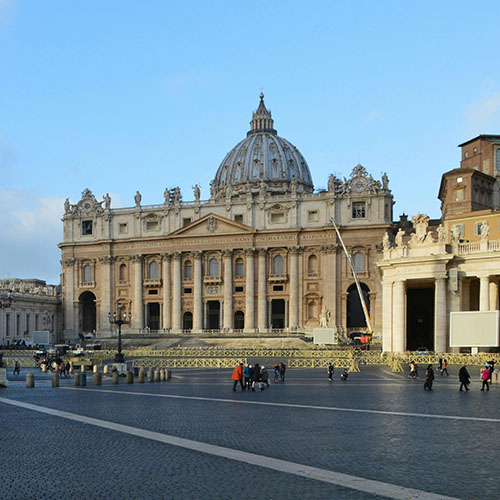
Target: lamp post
point(119, 319)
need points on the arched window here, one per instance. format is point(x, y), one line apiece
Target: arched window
point(312, 265)
point(87, 274)
point(188, 270)
point(358, 260)
point(278, 265)
point(213, 267)
point(123, 272)
point(153, 270)
point(238, 268)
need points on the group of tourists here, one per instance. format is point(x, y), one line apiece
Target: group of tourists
point(330, 370)
point(64, 369)
point(463, 375)
point(253, 377)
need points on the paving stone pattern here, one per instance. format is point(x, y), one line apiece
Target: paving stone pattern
point(52, 457)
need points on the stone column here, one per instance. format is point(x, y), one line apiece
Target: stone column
point(441, 313)
point(69, 298)
point(138, 314)
point(167, 310)
point(198, 293)
point(484, 293)
point(294, 282)
point(399, 325)
point(106, 305)
point(493, 295)
point(228, 289)
point(262, 291)
point(176, 293)
point(250, 290)
point(387, 339)
point(328, 274)
point(465, 295)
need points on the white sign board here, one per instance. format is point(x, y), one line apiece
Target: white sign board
point(474, 329)
point(41, 337)
point(323, 336)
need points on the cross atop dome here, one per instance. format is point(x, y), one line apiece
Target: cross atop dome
point(262, 120)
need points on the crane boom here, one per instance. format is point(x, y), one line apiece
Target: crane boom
point(358, 286)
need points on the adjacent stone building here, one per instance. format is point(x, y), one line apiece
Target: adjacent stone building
point(259, 255)
point(27, 305)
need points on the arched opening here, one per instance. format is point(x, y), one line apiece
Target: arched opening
point(355, 315)
point(187, 321)
point(239, 320)
point(87, 313)
point(123, 272)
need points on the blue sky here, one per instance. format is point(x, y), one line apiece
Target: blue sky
point(120, 96)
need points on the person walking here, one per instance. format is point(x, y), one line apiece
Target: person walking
point(246, 376)
point(464, 377)
point(440, 365)
point(255, 376)
point(282, 371)
point(429, 377)
point(445, 368)
point(344, 375)
point(485, 376)
point(68, 369)
point(17, 368)
point(413, 371)
point(264, 378)
point(276, 372)
point(237, 376)
point(330, 370)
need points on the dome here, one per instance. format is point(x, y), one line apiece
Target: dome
point(262, 163)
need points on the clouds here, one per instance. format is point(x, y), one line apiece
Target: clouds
point(484, 115)
point(6, 11)
point(31, 228)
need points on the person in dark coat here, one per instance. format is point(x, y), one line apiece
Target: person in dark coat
point(255, 376)
point(282, 371)
point(429, 377)
point(331, 371)
point(464, 377)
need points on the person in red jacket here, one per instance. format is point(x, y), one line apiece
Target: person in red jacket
point(237, 376)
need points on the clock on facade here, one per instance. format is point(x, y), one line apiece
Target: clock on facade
point(359, 184)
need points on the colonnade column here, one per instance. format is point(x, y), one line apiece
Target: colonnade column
point(294, 282)
point(399, 325)
point(167, 310)
point(329, 275)
point(250, 290)
point(138, 314)
point(493, 295)
point(387, 332)
point(69, 298)
point(198, 289)
point(262, 291)
point(440, 315)
point(228, 289)
point(176, 293)
point(484, 293)
point(106, 264)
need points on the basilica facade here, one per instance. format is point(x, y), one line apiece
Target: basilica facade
point(258, 256)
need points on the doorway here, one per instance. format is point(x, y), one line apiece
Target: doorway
point(87, 312)
point(278, 313)
point(213, 315)
point(239, 320)
point(355, 315)
point(153, 315)
point(187, 321)
point(420, 318)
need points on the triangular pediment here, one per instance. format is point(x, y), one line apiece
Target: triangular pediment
point(211, 225)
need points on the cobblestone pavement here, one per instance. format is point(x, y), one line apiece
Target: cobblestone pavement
point(302, 422)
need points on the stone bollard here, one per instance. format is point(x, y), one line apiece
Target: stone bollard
point(96, 369)
point(106, 369)
point(168, 374)
point(97, 378)
point(82, 368)
point(76, 380)
point(30, 380)
point(140, 378)
point(44, 367)
point(157, 375)
point(162, 375)
point(55, 380)
point(71, 368)
point(83, 379)
point(151, 375)
point(115, 378)
point(130, 378)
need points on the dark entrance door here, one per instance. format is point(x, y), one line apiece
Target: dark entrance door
point(153, 319)
point(278, 313)
point(213, 314)
point(420, 318)
point(239, 320)
point(87, 313)
point(187, 321)
point(355, 315)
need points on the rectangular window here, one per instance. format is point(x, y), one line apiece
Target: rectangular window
point(277, 288)
point(153, 292)
point(461, 230)
point(277, 218)
point(358, 210)
point(312, 216)
point(477, 228)
point(238, 288)
point(152, 225)
point(238, 218)
point(186, 221)
point(86, 227)
point(188, 290)
point(123, 228)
